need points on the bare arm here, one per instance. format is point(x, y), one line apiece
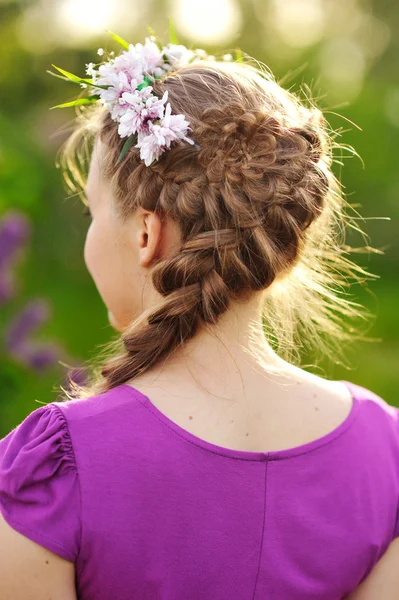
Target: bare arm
point(383, 581)
point(30, 572)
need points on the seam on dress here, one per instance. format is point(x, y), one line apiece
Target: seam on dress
point(322, 445)
point(263, 533)
point(265, 452)
point(58, 409)
point(189, 441)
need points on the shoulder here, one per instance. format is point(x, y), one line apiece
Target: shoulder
point(373, 420)
point(377, 416)
point(350, 394)
point(373, 403)
point(103, 423)
point(99, 406)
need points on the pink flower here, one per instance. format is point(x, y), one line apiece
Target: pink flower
point(139, 108)
point(130, 63)
point(160, 137)
point(150, 57)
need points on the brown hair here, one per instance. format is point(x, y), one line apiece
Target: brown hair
point(258, 206)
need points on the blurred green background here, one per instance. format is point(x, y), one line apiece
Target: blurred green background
point(345, 50)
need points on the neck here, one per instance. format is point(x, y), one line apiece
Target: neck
point(225, 357)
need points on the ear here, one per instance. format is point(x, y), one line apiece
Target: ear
point(150, 230)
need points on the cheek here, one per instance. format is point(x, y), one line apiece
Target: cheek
point(96, 252)
point(89, 249)
point(112, 268)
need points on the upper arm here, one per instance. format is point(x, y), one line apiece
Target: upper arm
point(29, 571)
point(40, 525)
point(383, 581)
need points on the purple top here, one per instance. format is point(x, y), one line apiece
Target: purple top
point(149, 511)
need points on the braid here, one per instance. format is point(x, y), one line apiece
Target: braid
point(233, 242)
point(193, 291)
point(246, 197)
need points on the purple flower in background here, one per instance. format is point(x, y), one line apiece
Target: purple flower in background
point(38, 356)
point(15, 230)
point(7, 286)
point(21, 347)
point(34, 314)
point(14, 233)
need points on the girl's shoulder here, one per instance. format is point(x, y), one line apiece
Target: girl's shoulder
point(98, 405)
point(372, 402)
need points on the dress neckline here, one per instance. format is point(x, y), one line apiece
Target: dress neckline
point(250, 455)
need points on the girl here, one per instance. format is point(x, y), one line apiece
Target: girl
point(200, 461)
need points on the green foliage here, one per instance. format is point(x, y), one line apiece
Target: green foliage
point(130, 140)
point(172, 33)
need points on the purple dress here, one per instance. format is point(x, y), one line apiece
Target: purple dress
point(149, 511)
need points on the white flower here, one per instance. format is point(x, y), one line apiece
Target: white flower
point(177, 54)
point(174, 126)
point(227, 57)
point(128, 63)
point(201, 53)
point(148, 57)
point(151, 57)
point(160, 137)
point(90, 68)
point(139, 109)
point(118, 83)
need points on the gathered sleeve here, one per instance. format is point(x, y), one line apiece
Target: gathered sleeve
point(39, 486)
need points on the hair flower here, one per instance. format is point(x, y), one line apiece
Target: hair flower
point(123, 85)
point(138, 109)
point(160, 136)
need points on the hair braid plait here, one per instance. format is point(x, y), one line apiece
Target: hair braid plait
point(190, 282)
point(242, 225)
point(245, 203)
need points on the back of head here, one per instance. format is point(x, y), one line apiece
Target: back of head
point(259, 209)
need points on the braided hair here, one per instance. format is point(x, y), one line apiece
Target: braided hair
point(258, 207)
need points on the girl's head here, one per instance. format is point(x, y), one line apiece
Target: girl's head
point(251, 213)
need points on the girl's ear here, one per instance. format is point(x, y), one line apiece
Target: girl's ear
point(150, 230)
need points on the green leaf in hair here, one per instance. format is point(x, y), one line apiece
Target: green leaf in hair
point(172, 33)
point(157, 41)
point(77, 102)
point(239, 55)
point(130, 140)
point(71, 76)
point(147, 81)
point(118, 39)
point(78, 80)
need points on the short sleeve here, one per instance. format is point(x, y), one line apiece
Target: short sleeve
point(39, 486)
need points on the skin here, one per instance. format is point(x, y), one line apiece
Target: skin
point(30, 572)
point(383, 581)
point(218, 377)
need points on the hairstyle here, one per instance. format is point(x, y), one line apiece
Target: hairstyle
point(259, 208)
